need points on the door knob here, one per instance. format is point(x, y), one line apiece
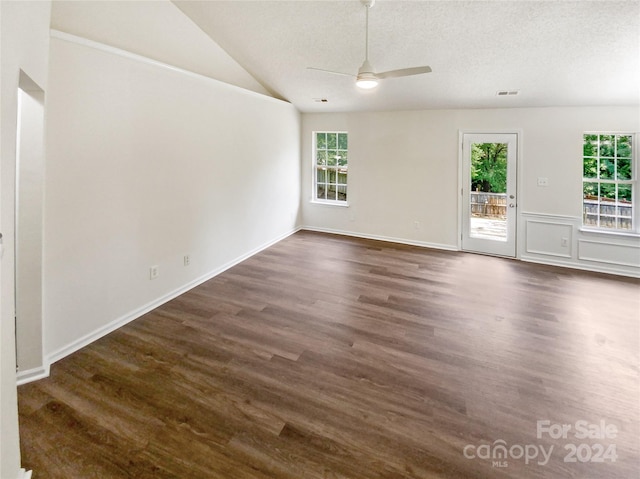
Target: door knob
point(512, 205)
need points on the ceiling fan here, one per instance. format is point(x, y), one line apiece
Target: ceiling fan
point(367, 78)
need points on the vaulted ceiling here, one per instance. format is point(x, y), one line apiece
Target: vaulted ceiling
point(554, 53)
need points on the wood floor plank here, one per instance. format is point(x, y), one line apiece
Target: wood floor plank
point(340, 358)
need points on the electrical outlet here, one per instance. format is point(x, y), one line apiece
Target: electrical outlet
point(416, 225)
point(564, 242)
point(187, 260)
point(154, 272)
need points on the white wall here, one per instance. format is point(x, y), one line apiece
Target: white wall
point(155, 29)
point(403, 167)
point(146, 164)
point(24, 40)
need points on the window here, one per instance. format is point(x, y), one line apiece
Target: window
point(330, 166)
point(608, 181)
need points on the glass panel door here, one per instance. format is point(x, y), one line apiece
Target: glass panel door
point(489, 194)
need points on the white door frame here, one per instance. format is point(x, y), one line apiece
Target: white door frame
point(28, 230)
point(462, 179)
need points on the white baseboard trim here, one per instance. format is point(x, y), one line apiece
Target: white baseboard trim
point(388, 239)
point(594, 268)
point(127, 318)
point(24, 377)
point(22, 474)
point(569, 263)
point(43, 372)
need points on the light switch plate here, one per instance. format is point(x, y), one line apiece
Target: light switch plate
point(542, 181)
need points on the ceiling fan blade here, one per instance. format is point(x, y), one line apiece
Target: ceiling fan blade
point(404, 72)
point(330, 71)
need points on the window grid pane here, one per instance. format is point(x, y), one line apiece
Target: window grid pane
point(608, 181)
point(331, 166)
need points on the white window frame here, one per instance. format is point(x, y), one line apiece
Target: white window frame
point(314, 175)
point(635, 190)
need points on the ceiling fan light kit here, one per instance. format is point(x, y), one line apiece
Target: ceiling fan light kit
point(367, 78)
point(366, 84)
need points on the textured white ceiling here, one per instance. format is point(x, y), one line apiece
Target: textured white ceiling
point(556, 53)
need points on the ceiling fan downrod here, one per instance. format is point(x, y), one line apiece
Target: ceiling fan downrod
point(366, 78)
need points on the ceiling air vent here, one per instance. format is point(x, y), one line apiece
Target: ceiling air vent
point(508, 92)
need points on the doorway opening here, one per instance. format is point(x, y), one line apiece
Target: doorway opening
point(29, 186)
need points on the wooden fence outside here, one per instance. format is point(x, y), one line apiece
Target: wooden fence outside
point(612, 214)
point(488, 205)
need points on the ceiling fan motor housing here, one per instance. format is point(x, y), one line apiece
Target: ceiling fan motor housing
point(366, 70)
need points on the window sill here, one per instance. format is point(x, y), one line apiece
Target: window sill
point(342, 204)
point(610, 232)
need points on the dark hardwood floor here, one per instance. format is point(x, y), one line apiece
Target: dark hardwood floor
point(332, 358)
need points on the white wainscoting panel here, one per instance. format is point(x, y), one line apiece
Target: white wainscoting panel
point(549, 238)
point(610, 253)
point(542, 242)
